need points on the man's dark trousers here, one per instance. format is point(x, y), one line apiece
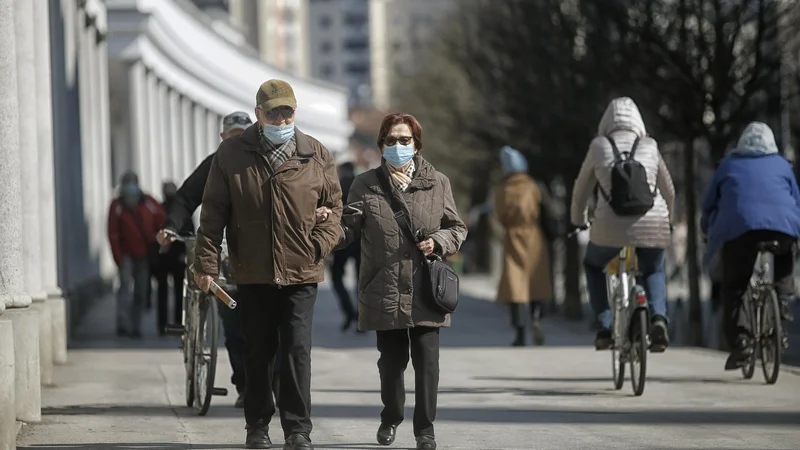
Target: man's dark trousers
point(273, 315)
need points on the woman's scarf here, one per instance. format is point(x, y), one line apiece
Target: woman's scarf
point(401, 177)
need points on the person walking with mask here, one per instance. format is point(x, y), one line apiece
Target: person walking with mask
point(265, 186)
point(525, 281)
point(133, 220)
point(392, 298)
point(341, 257)
point(179, 217)
point(171, 264)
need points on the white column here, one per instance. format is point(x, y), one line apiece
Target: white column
point(88, 171)
point(27, 378)
point(177, 172)
point(152, 169)
point(97, 209)
point(47, 212)
point(187, 116)
point(10, 222)
point(140, 122)
point(213, 130)
point(165, 157)
point(107, 266)
point(200, 135)
point(11, 285)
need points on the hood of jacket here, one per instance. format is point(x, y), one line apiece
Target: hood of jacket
point(622, 114)
point(757, 139)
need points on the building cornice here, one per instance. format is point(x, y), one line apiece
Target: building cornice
point(196, 61)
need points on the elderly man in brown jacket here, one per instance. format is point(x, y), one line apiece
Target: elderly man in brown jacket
point(264, 187)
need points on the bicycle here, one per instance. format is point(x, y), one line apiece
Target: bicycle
point(630, 320)
point(199, 332)
point(761, 305)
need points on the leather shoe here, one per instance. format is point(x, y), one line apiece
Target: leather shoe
point(739, 357)
point(603, 340)
point(386, 434)
point(298, 441)
point(426, 443)
point(257, 437)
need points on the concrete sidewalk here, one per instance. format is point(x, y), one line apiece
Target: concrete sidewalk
point(491, 396)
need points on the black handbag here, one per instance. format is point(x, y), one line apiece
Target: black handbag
point(441, 281)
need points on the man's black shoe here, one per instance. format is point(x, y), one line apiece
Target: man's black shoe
point(298, 441)
point(258, 437)
point(426, 443)
point(741, 353)
point(659, 335)
point(386, 434)
point(603, 340)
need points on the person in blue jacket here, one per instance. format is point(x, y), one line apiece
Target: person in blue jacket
point(753, 197)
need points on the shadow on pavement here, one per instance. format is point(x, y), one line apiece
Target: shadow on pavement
point(616, 416)
point(650, 379)
point(490, 390)
point(168, 446)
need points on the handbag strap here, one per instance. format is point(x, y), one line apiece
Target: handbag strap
point(394, 203)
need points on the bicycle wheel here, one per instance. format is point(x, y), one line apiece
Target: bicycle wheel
point(750, 366)
point(206, 353)
point(617, 369)
point(771, 336)
point(187, 345)
point(639, 347)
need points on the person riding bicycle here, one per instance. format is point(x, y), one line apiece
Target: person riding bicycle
point(644, 226)
point(187, 199)
point(752, 198)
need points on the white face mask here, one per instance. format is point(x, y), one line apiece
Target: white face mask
point(278, 134)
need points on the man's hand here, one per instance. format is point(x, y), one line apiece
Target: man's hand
point(164, 238)
point(203, 281)
point(426, 246)
point(322, 213)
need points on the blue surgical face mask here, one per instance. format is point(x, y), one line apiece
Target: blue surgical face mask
point(398, 155)
point(278, 134)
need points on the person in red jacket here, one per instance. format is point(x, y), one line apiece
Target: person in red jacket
point(133, 221)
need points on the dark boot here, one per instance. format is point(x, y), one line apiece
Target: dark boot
point(258, 436)
point(742, 352)
point(298, 441)
point(426, 443)
point(786, 310)
point(659, 335)
point(603, 340)
point(386, 434)
point(519, 341)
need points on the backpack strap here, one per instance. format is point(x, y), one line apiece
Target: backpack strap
point(617, 154)
point(633, 148)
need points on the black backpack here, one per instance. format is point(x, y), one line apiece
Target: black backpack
point(630, 191)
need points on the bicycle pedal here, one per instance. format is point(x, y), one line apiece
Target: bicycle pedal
point(174, 330)
point(222, 392)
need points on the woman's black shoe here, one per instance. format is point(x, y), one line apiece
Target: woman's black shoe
point(426, 443)
point(386, 434)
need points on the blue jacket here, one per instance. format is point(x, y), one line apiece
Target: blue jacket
point(754, 188)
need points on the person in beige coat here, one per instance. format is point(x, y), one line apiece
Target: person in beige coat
point(526, 262)
point(649, 233)
point(391, 294)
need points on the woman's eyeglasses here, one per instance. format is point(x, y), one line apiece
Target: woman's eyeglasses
point(285, 111)
point(403, 140)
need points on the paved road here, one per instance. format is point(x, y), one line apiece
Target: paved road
point(120, 394)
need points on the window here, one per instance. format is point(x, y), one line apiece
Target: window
point(357, 44)
point(325, 47)
point(355, 19)
point(327, 71)
point(325, 22)
point(357, 68)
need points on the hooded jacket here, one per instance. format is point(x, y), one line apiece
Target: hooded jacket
point(623, 122)
point(754, 188)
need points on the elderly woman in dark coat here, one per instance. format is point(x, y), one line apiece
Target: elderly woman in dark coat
point(391, 299)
